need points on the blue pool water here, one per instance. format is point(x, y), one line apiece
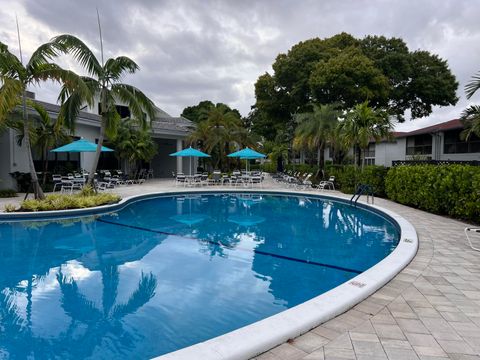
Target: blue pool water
point(172, 271)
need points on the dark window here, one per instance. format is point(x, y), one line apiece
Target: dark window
point(122, 110)
point(453, 144)
point(419, 144)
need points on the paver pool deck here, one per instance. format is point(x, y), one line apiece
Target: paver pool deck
point(430, 310)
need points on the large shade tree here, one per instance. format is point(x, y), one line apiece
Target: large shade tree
point(104, 82)
point(350, 70)
point(16, 77)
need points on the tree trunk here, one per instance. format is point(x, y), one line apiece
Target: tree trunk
point(91, 175)
point(37, 190)
point(45, 168)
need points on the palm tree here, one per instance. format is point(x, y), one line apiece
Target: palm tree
point(471, 115)
point(133, 143)
point(104, 81)
point(44, 134)
point(15, 79)
point(362, 125)
point(315, 129)
point(218, 130)
point(471, 122)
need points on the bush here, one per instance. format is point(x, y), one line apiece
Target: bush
point(7, 193)
point(348, 177)
point(446, 189)
point(63, 202)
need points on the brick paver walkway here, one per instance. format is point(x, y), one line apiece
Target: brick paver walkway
point(431, 310)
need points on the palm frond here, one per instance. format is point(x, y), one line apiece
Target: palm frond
point(10, 65)
point(10, 93)
point(43, 55)
point(116, 67)
point(136, 100)
point(471, 122)
point(473, 85)
point(80, 52)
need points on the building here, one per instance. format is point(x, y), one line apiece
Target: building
point(440, 142)
point(169, 133)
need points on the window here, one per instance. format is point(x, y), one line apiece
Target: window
point(122, 110)
point(419, 144)
point(369, 155)
point(454, 145)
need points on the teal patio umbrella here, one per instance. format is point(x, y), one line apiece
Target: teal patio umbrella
point(247, 154)
point(190, 152)
point(81, 145)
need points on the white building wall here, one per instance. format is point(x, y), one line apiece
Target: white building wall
point(386, 152)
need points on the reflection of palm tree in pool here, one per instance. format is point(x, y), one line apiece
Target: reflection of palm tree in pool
point(16, 334)
point(25, 256)
point(101, 323)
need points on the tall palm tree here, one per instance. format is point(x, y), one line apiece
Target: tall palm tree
point(315, 128)
point(362, 125)
point(15, 79)
point(44, 134)
point(104, 82)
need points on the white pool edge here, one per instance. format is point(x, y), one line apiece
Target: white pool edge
point(254, 339)
point(265, 334)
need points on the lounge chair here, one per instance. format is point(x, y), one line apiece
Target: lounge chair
point(472, 230)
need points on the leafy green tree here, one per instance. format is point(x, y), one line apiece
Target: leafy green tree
point(195, 113)
point(105, 82)
point(362, 125)
point(349, 78)
point(315, 129)
point(133, 143)
point(15, 79)
point(342, 68)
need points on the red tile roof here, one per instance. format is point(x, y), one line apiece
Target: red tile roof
point(447, 125)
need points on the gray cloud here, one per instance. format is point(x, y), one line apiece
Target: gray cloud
point(210, 49)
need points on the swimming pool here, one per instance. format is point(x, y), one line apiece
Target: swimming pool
point(171, 271)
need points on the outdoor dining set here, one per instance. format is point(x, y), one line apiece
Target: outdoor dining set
point(236, 178)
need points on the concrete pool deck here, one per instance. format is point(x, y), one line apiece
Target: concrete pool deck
point(430, 310)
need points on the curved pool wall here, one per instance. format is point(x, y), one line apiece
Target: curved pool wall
point(262, 335)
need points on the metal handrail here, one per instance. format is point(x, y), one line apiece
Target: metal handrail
point(362, 189)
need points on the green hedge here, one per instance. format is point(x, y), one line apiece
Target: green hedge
point(446, 189)
point(348, 177)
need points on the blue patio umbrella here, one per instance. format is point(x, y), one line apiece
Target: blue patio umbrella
point(247, 154)
point(78, 146)
point(190, 152)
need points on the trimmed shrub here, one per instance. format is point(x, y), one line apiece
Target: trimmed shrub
point(7, 193)
point(348, 177)
point(63, 202)
point(442, 189)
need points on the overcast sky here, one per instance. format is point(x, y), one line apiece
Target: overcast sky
point(190, 51)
